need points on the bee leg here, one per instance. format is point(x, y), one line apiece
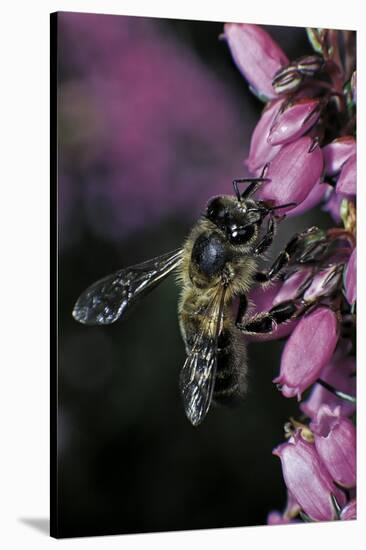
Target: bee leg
point(267, 321)
point(303, 247)
point(267, 238)
point(254, 184)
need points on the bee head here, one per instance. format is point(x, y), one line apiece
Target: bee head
point(239, 220)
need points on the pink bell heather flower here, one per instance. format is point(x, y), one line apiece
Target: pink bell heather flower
point(293, 173)
point(335, 441)
point(340, 374)
point(346, 184)
point(316, 195)
point(294, 121)
point(350, 278)
point(349, 511)
point(308, 349)
point(257, 56)
point(307, 479)
point(337, 153)
point(261, 151)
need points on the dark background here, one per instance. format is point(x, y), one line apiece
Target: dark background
point(153, 119)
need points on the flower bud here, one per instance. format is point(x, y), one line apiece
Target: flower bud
point(346, 184)
point(307, 478)
point(337, 152)
point(294, 121)
point(308, 349)
point(349, 511)
point(317, 38)
point(309, 64)
point(350, 279)
point(287, 80)
point(257, 56)
point(339, 373)
point(335, 441)
point(293, 173)
point(261, 151)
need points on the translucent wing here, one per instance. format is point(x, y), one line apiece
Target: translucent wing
point(198, 374)
point(106, 300)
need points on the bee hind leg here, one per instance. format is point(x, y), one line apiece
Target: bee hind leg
point(267, 321)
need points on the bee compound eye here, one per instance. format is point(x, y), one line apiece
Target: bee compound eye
point(241, 235)
point(215, 210)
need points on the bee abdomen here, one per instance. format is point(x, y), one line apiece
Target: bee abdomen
point(230, 382)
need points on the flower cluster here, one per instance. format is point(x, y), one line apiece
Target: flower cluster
point(304, 144)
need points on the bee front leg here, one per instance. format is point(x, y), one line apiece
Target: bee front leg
point(267, 238)
point(304, 247)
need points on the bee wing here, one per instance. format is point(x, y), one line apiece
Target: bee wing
point(106, 300)
point(198, 373)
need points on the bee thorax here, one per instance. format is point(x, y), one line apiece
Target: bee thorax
point(209, 254)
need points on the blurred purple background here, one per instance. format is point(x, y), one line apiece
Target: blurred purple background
point(147, 129)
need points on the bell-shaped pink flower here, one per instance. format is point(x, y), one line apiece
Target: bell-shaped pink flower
point(307, 351)
point(340, 374)
point(261, 151)
point(293, 173)
point(337, 153)
point(257, 56)
point(316, 195)
point(335, 441)
point(350, 279)
point(294, 121)
point(308, 480)
point(346, 184)
point(349, 511)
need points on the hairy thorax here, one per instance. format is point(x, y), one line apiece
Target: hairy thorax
point(209, 260)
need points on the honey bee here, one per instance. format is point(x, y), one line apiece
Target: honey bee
point(217, 263)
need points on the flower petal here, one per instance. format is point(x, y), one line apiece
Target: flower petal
point(308, 349)
point(307, 479)
point(261, 151)
point(335, 441)
point(339, 373)
point(346, 184)
point(257, 56)
point(350, 279)
point(293, 173)
point(294, 121)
